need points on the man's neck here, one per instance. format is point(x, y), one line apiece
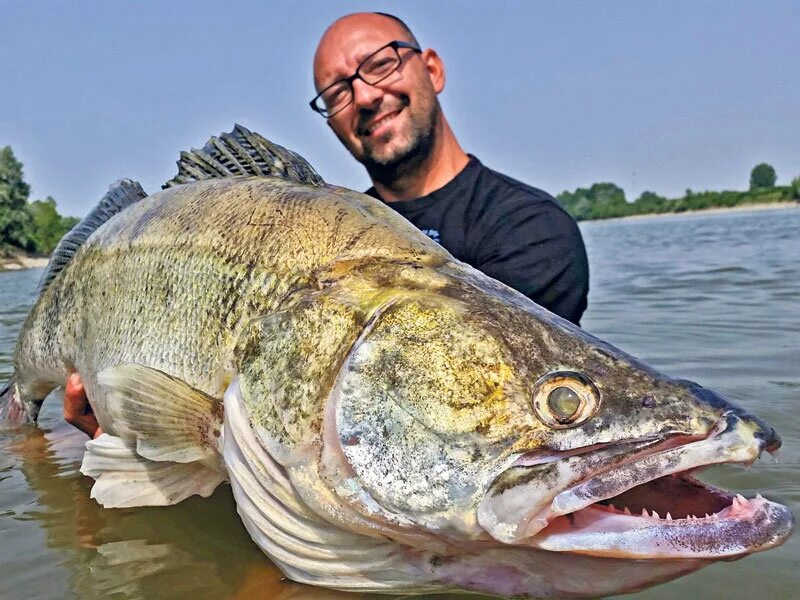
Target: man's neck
point(446, 160)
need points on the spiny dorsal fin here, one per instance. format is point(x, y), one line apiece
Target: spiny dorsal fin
point(119, 196)
point(242, 152)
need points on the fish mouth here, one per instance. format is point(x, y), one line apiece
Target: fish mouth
point(640, 500)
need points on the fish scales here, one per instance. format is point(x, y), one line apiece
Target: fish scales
point(241, 246)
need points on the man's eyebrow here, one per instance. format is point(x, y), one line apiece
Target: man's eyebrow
point(359, 59)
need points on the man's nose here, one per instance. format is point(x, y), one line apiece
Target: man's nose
point(365, 95)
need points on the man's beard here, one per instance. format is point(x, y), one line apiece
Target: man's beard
point(407, 159)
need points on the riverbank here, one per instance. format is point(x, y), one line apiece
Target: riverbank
point(707, 211)
point(15, 262)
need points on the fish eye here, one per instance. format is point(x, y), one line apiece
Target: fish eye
point(565, 399)
point(563, 403)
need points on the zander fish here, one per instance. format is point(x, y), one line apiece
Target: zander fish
point(389, 418)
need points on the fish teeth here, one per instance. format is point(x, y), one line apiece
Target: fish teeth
point(708, 516)
point(739, 503)
point(644, 513)
point(655, 515)
point(669, 517)
point(627, 511)
point(759, 497)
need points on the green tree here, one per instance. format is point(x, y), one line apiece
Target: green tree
point(47, 226)
point(650, 202)
point(601, 201)
point(14, 192)
point(795, 187)
point(762, 176)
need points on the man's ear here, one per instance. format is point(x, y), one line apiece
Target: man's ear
point(435, 68)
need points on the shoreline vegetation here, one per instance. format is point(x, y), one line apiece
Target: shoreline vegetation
point(21, 260)
point(607, 200)
point(710, 211)
point(29, 231)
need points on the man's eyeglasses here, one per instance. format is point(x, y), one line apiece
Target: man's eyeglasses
point(373, 69)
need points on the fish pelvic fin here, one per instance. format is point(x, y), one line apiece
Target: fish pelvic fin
point(242, 152)
point(168, 419)
point(166, 446)
point(119, 196)
point(125, 479)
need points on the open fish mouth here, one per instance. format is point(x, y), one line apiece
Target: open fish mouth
point(643, 502)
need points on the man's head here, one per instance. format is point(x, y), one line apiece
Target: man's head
point(389, 127)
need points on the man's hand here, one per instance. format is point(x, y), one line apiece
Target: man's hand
point(77, 410)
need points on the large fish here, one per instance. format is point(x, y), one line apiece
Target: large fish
point(389, 419)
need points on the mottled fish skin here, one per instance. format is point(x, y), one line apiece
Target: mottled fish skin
point(380, 425)
point(174, 281)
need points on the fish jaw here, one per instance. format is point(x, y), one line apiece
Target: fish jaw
point(634, 505)
point(517, 572)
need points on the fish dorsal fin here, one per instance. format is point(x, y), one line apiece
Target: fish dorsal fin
point(242, 152)
point(119, 196)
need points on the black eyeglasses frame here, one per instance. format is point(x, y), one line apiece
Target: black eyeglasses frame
point(395, 45)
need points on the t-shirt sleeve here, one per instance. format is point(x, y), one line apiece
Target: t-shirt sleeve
point(533, 246)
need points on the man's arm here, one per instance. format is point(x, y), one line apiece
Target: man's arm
point(537, 249)
point(77, 411)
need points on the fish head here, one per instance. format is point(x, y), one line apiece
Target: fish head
point(473, 415)
point(491, 444)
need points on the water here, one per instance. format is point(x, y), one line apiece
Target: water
point(713, 298)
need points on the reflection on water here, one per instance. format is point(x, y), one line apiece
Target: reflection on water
point(710, 298)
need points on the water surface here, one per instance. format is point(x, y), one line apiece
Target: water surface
point(713, 298)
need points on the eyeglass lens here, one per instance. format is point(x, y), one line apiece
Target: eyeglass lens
point(374, 69)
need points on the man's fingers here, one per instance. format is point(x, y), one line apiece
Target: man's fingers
point(77, 410)
point(75, 401)
point(74, 388)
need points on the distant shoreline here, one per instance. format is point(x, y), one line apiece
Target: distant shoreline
point(17, 262)
point(713, 210)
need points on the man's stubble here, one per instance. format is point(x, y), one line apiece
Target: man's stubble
point(409, 157)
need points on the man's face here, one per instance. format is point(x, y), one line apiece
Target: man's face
point(388, 123)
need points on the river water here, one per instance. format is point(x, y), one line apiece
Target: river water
point(713, 298)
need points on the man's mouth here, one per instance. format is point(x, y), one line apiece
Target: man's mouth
point(376, 125)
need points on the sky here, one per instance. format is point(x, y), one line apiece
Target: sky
point(660, 96)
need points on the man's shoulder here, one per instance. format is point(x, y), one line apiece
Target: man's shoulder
point(507, 193)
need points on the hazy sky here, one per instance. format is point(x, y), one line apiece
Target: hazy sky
point(658, 96)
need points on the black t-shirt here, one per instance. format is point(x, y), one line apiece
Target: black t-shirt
point(511, 231)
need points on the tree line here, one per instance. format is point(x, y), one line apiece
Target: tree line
point(607, 200)
point(33, 227)
point(36, 227)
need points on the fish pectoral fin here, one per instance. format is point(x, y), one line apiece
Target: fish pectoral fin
point(170, 420)
point(125, 479)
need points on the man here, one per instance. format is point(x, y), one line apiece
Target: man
point(378, 91)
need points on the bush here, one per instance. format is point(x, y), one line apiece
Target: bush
point(795, 188)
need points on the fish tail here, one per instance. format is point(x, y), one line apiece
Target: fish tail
point(12, 409)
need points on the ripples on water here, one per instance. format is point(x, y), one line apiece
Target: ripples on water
point(713, 298)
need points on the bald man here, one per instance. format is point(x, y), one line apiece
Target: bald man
point(378, 90)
